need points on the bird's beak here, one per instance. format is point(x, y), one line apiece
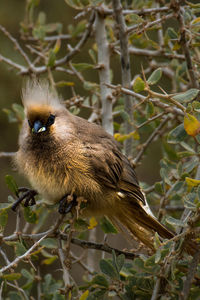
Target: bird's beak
point(38, 127)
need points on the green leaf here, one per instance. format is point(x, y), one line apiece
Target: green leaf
point(3, 218)
point(108, 269)
point(19, 111)
point(138, 85)
point(88, 85)
point(39, 32)
point(158, 256)
point(125, 116)
point(11, 115)
point(84, 296)
point(20, 249)
point(93, 55)
point(14, 296)
point(159, 188)
point(100, 280)
point(190, 205)
point(5, 205)
point(49, 243)
point(155, 76)
point(79, 28)
point(82, 66)
point(11, 184)
point(27, 274)
point(12, 276)
point(175, 222)
point(29, 215)
point(107, 226)
point(120, 261)
point(50, 260)
point(149, 109)
point(177, 135)
point(81, 225)
point(172, 33)
point(156, 241)
point(171, 153)
point(186, 96)
point(51, 59)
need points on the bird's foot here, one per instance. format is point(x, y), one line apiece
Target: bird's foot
point(28, 195)
point(67, 203)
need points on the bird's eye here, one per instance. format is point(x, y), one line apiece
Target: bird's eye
point(50, 120)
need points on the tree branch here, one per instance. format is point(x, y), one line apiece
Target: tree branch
point(125, 69)
point(104, 72)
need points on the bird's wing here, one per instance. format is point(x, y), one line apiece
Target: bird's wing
point(108, 165)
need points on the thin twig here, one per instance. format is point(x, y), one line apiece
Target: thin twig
point(156, 290)
point(140, 12)
point(158, 103)
point(79, 260)
point(17, 46)
point(20, 290)
point(154, 53)
point(7, 154)
point(1, 289)
point(150, 139)
point(150, 120)
point(65, 269)
point(15, 262)
point(148, 25)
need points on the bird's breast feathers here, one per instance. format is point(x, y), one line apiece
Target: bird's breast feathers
point(54, 176)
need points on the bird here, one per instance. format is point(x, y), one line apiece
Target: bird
point(62, 154)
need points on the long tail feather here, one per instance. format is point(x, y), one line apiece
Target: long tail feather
point(141, 224)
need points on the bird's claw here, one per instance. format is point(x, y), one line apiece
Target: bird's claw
point(28, 195)
point(65, 206)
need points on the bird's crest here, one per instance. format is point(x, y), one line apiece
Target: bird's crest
point(38, 93)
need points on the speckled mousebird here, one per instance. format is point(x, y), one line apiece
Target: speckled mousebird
point(62, 154)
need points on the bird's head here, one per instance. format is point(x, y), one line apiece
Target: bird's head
point(40, 119)
point(41, 107)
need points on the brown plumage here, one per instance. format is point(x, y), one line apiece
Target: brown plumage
point(63, 154)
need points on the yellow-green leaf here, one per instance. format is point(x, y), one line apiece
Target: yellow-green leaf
point(12, 276)
point(135, 135)
point(138, 85)
point(50, 260)
point(63, 83)
point(57, 46)
point(197, 20)
point(191, 125)
point(92, 223)
point(120, 137)
point(84, 295)
point(192, 182)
